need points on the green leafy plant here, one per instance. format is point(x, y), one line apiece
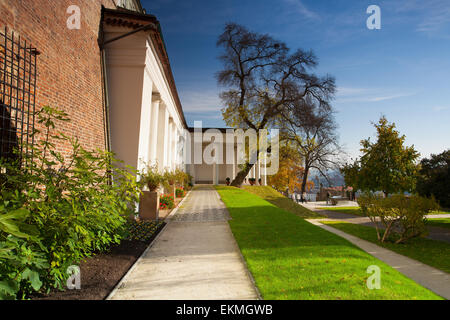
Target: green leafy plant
point(180, 193)
point(166, 201)
point(76, 205)
point(142, 230)
point(152, 178)
point(398, 217)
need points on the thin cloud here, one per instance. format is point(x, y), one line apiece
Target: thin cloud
point(201, 101)
point(303, 9)
point(440, 108)
point(355, 94)
point(433, 16)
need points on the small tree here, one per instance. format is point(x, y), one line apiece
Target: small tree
point(386, 165)
point(290, 173)
point(310, 126)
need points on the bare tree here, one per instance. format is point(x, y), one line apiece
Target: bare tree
point(263, 78)
point(310, 125)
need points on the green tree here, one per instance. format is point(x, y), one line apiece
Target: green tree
point(386, 165)
point(434, 177)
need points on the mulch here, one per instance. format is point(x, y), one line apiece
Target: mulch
point(101, 273)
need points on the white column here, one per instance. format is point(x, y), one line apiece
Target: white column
point(265, 169)
point(169, 144)
point(174, 146)
point(234, 165)
point(156, 99)
point(258, 171)
point(144, 126)
point(163, 136)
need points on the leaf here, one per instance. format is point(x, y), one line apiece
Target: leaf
point(33, 278)
point(9, 287)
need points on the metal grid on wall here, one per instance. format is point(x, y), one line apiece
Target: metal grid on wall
point(17, 93)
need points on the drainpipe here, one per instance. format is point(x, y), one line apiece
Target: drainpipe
point(106, 100)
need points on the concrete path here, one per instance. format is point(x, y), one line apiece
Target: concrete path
point(194, 258)
point(435, 233)
point(429, 277)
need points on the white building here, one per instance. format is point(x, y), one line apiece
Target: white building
point(146, 120)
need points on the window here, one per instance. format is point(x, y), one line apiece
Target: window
point(17, 94)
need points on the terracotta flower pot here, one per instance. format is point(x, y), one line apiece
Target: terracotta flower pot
point(149, 205)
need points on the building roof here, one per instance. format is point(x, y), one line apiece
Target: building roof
point(223, 130)
point(131, 19)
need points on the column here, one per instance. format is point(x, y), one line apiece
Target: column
point(169, 144)
point(265, 169)
point(144, 125)
point(163, 136)
point(174, 145)
point(258, 171)
point(234, 165)
point(156, 99)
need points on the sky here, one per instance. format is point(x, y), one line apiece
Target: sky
point(401, 71)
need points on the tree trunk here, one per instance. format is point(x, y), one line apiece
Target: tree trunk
point(237, 182)
point(304, 182)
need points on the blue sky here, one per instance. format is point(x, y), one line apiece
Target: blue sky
point(401, 71)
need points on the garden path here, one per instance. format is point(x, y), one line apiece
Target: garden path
point(435, 233)
point(194, 258)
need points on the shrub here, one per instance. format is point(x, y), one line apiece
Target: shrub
point(402, 217)
point(180, 193)
point(166, 201)
point(181, 177)
point(59, 210)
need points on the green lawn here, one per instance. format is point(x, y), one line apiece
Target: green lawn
point(357, 210)
point(271, 195)
point(439, 222)
point(290, 258)
point(432, 252)
point(350, 210)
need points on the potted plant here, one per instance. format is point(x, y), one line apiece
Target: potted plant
point(252, 181)
point(149, 201)
point(260, 181)
point(228, 180)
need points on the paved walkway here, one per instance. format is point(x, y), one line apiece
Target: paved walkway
point(435, 233)
point(429, 277)
point(194, 258)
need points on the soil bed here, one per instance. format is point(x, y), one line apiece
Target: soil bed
point(101, 273)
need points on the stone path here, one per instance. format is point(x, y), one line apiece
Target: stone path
point(194, 258)
point(429, 277)
point(206, 206)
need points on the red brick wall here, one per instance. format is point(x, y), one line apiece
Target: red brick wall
point(69, 70)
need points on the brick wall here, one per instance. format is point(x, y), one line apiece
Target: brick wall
point(69, 69)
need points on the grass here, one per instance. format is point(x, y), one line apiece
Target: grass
point(274, 197)
point(350, 210)
point(431, 252)
point(290, 258)
point(439, 222)
point(357, 210)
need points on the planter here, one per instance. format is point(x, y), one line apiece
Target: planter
point(149, 205)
